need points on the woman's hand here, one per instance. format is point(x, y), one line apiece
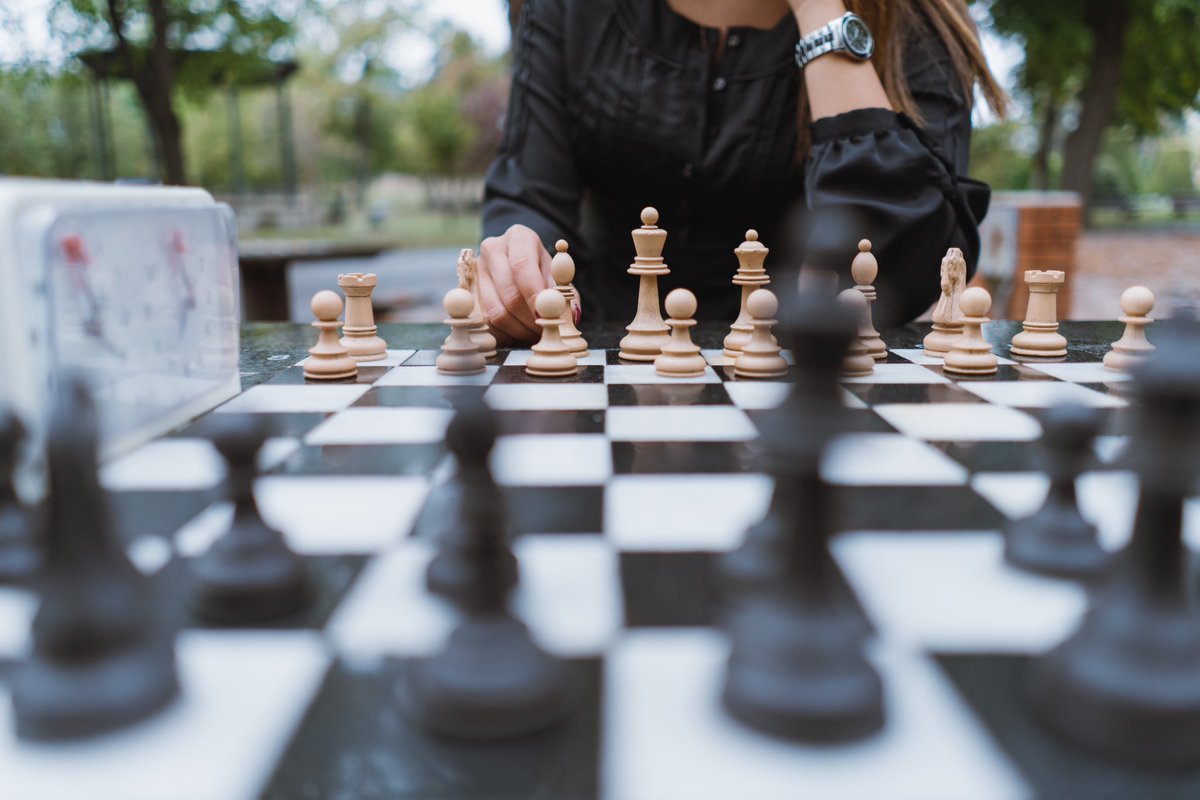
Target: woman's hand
point(513, 268)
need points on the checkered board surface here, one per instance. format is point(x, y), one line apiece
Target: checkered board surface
point(622, 487)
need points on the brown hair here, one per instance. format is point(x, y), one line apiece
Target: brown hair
point(892, 22)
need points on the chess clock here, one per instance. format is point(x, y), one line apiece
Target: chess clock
point(134, 287)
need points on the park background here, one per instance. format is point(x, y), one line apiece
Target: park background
point(358, 131)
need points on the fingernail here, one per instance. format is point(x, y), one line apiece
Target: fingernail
point(577, 309)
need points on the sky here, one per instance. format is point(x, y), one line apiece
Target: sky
point(487, 20)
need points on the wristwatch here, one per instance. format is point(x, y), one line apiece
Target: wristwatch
point(847, 34)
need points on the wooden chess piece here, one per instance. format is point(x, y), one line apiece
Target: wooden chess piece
point(750, 276)
point(680, 356)
point(760, 356)
point(328, 360)
point(468, 278)
point(864, 269)
point(647, 333)
point(551, 357)
point(1132, 349)
point(858, 362)
point(359, 331)
point(562, 269)
point(460, 355)
point(971, 354)
point(947, 318)
point(1040, 337)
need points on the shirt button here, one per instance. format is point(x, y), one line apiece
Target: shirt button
point(733, 41)
point(718, 85)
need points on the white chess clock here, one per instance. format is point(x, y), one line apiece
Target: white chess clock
point(135, 287)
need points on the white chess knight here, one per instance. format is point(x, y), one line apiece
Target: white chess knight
point(947, 317)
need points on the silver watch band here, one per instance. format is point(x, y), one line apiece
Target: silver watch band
point(819, 42)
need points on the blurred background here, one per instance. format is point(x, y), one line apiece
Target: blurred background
point(353, 134)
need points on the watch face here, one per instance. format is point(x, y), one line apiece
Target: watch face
point(858, 37)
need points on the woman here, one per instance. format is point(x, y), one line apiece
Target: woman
point(725, 114)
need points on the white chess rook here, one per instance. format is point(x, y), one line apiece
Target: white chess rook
point(359, 333)
point(1040, 337)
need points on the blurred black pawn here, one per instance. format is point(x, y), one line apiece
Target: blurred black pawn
point(1056, 539)
point(1127, 682)
point(101, 657)
point(249, 574)
point(797, 667)
point(491, 681)
point(20, 552)
point(477, 538)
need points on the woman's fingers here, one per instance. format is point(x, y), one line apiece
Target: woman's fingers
point(530, 265)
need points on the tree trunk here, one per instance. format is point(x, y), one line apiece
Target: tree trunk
point(1046, 132)
point(1108, 21)
point(514, 15)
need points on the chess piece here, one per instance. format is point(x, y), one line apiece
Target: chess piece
point(864, 269)
point(249, 574)
point(101, 658)
point(477, 539)
point(20, 551)
point(551, 357)
point(460, 355)
point(1132, 349)
point(947, 318)
point(1126, 683)
point(328, 360)
point(647, 333)
point(680, 357)
point(796, 665)
point(491, 681)
point(562, 269)
point(359, 331)
point(1040, 337)
point(858, 362)
point(971, 354)
point(760, 356)
point(468, 278)
point(750, 276)
point(1057, 540)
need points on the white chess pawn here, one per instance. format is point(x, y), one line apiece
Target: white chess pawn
point(328, 360)
point(680, 357)
point(864, 269)
point(858, 362)
point(460, 355)
point(1132, 348)
point(760, 357)
point(562, 269)
point(551, 357)
point(359, 333)
point(971, 354)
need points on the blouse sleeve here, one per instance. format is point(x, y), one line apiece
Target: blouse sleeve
point(534, 179)
point(873, 173)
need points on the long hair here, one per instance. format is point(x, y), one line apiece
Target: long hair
point(892, 22)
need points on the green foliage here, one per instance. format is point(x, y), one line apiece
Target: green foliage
point(996, 160)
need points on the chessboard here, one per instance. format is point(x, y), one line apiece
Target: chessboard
point(622, 488)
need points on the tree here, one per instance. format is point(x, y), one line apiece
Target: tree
point(164, 46)
point(1128, 63)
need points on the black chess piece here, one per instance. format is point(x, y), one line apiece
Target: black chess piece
point(480, 513)
point(249, 574)
point(1056, 539)
point(20, 551)
point(1127, 682)
point(491, 681)
point(102, 658)
point(796, 667)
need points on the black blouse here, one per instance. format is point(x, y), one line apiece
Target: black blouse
point(620, 104)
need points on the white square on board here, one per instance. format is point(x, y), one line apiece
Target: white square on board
point(667, 735)
point(899, 373)
point(960, 422)
point(673, 513)
point(382, 425)
point(1041, 394)
point(1081, 372)
point(519, 358)
point(645, 373)
point(263, 680)
point(678, 424)
point(429, 376)
point(295, 399)
point(573, 459)
point(888, 459)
